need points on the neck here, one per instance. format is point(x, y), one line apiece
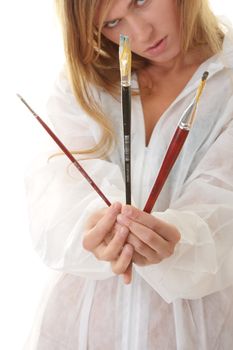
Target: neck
point(179, 70)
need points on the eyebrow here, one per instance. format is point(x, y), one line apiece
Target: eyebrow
point(115, 19)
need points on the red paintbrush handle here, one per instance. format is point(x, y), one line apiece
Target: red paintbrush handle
point(67, 152)
point(168, 162)
point(73, 160)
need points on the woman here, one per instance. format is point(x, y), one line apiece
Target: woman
point(177, 261)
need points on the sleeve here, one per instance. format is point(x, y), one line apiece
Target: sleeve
point(203, 259)
point(60, 199)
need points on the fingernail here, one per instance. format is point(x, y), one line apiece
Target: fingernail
point(127, 211)
point(115, 206)
point(124, 231)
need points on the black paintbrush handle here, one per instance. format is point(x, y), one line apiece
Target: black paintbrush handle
point(126, 111)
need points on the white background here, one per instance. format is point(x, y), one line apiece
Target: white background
point(30, 57)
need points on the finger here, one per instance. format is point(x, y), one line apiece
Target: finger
point(109, 236)
point(146, 236)
point(99, 251)
point(140, 260)
point(142, 249)
point(93, 219)
point(112, 233)
point(95, 236)
point(127, 276)
point(114, 248)
point(165, 230)
point(121, 264)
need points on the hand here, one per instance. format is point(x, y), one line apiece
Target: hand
point(107, 240)
point(153, 239)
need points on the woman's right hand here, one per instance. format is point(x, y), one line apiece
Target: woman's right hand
point(107, 240)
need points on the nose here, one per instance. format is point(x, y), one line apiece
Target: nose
point(140, 29)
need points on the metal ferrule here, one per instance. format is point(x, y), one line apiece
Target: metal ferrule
point(187, 117)
point(125, 60)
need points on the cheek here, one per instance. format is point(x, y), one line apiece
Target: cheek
point(175, 16)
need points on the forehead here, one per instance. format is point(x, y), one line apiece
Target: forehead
point(119, 5)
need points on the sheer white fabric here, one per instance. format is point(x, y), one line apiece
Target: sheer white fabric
point(186, 301)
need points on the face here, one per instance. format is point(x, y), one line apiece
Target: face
point(152, 26)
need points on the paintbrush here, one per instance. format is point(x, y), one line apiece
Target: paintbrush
point(125, 70)
point(66, 152)
point(177, 142)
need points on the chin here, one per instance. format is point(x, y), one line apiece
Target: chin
point(166, 57)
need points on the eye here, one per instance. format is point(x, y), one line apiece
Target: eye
point(112, 24)
point(140, 2)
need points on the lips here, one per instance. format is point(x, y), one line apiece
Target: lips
point(158, 48)
point(155, 44)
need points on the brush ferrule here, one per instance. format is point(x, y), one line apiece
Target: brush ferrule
point(186, 119)
point(125, 60)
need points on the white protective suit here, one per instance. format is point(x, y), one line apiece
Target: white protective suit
point(186, 301)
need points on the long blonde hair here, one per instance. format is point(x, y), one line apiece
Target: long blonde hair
point(93, 60)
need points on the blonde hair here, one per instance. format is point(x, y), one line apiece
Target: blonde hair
point(93, 60)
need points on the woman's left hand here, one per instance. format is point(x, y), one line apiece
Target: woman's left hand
point(153, 239)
